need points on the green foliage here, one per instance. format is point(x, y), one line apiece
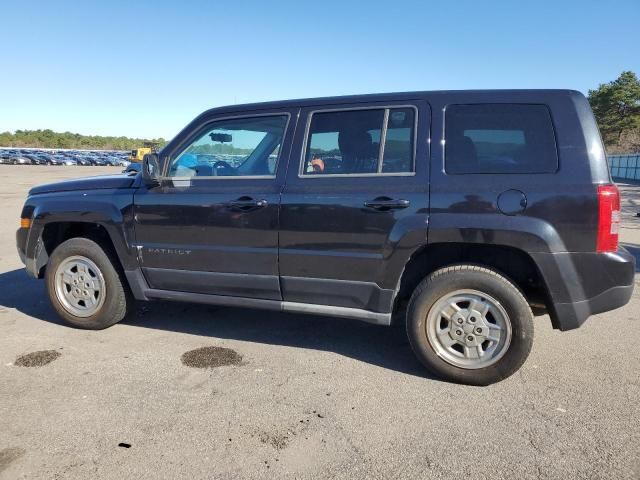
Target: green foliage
point(219, 148)
point(50, 139)
point(616, 106)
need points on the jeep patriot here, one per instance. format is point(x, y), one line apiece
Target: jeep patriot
point(460, 214)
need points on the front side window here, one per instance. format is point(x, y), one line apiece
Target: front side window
point(233, 148)
point(499, 138)
point(356, 142)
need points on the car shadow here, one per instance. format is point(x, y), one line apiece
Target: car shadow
point(385, 347)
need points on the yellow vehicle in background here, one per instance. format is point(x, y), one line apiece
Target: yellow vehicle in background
point(138, 154)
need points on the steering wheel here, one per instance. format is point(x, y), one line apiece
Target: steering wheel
point(224, 167)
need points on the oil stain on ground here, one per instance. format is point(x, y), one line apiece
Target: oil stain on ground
point(37, 359)
point(211, 357)
point(10, 455)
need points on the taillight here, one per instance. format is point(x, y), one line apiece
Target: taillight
point(608, 218)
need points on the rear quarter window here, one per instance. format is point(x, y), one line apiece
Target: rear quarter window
point(499, 138)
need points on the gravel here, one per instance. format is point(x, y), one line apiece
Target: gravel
point(211, 357)
point(36, 359)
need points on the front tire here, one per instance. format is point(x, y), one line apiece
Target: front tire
point(84, 286)
point(469, 324)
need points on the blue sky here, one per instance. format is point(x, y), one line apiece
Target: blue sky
point(141, 68)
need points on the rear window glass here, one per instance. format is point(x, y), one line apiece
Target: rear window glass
point(499, 138)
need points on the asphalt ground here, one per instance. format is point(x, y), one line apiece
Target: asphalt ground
point(296, 396)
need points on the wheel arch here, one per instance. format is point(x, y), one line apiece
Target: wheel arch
point(513, 263)
point(56, 232)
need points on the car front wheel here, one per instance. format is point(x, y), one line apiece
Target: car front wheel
point(470, 324)
point(84, 286)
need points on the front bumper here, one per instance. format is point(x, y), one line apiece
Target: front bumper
point(32, 252)
point(582, 284)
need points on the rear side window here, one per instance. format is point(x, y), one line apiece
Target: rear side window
point(499, 138)
point(356, 142)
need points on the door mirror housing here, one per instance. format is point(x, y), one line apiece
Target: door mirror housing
point(151, 169)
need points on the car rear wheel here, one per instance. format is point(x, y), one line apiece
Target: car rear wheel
point(470, 324)
point(84, 287)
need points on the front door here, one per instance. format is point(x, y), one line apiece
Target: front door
point(355, 205)
point(211, 226)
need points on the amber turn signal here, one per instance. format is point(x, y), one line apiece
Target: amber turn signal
point(25, 223)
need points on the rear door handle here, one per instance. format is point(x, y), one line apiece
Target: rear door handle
point(247, 203)
point(386, 203)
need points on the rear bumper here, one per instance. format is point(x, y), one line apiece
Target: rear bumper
point(583, 284)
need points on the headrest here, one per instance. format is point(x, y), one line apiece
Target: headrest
point(355, 143)
point(461, 154)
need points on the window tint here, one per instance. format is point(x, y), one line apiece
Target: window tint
point(235, 147)
point(348, 142)
point(499, 138)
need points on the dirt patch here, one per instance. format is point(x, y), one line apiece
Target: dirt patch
point(276, 440)
point(36, 359)
point(211, 357)
point(10, 455)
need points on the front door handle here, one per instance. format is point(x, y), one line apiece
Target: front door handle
point(386, 203)
point(247, 203)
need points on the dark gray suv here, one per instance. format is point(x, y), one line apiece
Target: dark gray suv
point(460, 214)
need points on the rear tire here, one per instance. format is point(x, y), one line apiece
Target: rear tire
point(85, 287)
point(469, 324)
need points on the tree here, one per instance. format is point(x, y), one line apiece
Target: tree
point(616, 106)
point(50, 139)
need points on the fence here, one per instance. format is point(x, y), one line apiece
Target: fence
point(625, 167)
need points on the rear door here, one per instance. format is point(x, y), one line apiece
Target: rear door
point(211, 226)
point(355, 204)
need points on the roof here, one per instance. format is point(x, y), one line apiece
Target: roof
point(392, 96)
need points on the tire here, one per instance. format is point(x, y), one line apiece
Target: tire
point(489, 332)
point(106, 299)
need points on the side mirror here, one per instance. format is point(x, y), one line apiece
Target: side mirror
point(151, 169)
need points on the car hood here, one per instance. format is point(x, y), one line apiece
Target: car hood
point(89, 183)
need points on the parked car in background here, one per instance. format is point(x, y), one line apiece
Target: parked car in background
point(35, 159)
point(19, 159)
point(50, 159)
point(82, 160)
point(116, 160)
point(45, 158)
point(90, 158)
